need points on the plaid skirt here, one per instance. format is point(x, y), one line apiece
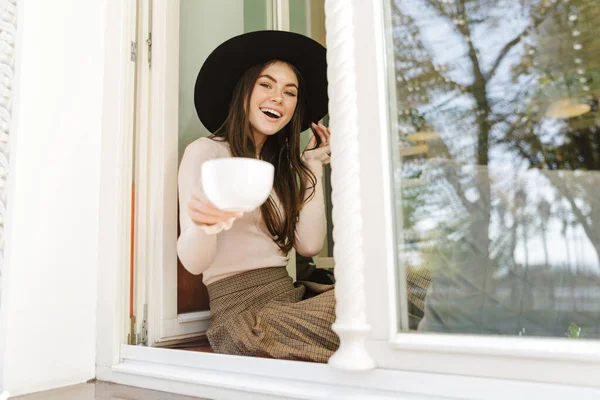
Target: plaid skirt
point(263, 313)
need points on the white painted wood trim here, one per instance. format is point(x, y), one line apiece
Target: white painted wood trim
point(280, 20)
point(174, 329)
point(351, 322)
point(281, 15)
point(550, 349)
point(162, 176)
point(8, 36)
point(10, 20)
point(308, 16)
point(378, 235)
point(156, 176)
point(396, 271)
point(141, 160)
point(270, 14)
point(193, 317)
point(115, 192)
point(232, 377)
point(539, 360)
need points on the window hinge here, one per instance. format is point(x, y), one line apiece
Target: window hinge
point(141, 338)
point(144, 327)
point(149, 42)
point(132, 336)
point(133, 51)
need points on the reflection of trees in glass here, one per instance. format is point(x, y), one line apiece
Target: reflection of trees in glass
point(567, 68)
point(486, 75)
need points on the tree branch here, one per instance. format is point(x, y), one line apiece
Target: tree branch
point(505, 50)
point(508, 46)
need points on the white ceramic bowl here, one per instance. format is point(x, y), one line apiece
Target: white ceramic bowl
point(237, 184)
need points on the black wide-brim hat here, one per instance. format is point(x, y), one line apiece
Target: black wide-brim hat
point(227, 63)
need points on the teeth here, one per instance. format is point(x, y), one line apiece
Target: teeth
point(271, 111)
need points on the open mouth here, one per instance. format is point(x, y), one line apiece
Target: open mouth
point(269, 112)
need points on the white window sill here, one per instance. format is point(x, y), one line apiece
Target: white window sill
point(515, 359)
point(230, 377)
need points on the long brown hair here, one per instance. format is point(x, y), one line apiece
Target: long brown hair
point(292, 178)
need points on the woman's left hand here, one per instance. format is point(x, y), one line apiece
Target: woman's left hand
point(322, 153)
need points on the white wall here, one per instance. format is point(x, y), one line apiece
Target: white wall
point(49, 297)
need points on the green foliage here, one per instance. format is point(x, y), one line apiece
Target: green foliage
point(573, 331)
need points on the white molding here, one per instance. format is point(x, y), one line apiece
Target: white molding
point(537, 361)
point(281, 13)
point(174, 329)
point(115, 191)
point(351, 322)
point(161, 172)
point(8, 36)
point(270, 16)
point(379, 242)
point(308, 17)
point(141, 155)
point(220, 376)
point(555, 349)
point(193, 317)
point(10, 17)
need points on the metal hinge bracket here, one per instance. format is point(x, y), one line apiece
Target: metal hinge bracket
point(133, 51)
point(144, 327)
point(149, 42)
point(141, 338)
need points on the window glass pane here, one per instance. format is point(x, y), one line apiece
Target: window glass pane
point(205, 24)
point(308, 18)
point(496, 141)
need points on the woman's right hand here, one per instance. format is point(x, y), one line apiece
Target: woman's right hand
point(203, 212)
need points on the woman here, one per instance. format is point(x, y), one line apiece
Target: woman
point(256, 93)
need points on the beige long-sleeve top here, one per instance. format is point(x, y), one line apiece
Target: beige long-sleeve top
point(224, 249)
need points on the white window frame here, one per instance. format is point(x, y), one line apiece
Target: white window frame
point(156, 174)
point(156, 223)
point(407, 365)
point(160, 173)
point(555, 360)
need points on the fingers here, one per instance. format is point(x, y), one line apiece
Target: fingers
point(322, 153)
point(208, 208)
point(202, 211)
point(323, 133)
point(202, 218)
point(311, 143)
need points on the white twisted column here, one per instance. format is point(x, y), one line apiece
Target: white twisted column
point(8, 33)
point(351, 321)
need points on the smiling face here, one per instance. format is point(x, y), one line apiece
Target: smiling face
point(273, 100)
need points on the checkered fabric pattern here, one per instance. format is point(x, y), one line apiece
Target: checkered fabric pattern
point(263, 313)
point(417, 284)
